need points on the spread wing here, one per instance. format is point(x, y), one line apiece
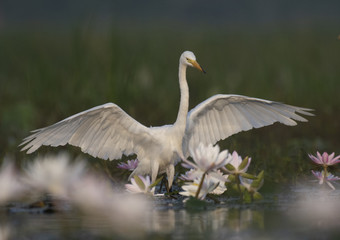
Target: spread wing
point(105, 131)
point(221, 116)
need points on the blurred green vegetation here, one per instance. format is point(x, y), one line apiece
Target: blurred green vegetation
point(47, 76)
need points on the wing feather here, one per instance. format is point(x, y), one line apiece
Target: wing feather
point(221, 116)
point(105, 131)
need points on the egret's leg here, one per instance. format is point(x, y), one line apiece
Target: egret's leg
point(154, 170)
point(170, 172)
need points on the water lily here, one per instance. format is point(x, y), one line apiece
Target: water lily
point(140, 184)
point(221, 187)
point(129, 165)
point(207, 158)
point(218, 177)
point(325, 159)
point(201, 187)
point(252, 186)
point(54, 174)
point(191, 175)
point(248, 184)
point(6, 231)
point(96, 198)
point(236, 165)
point(10, 187)
point(325, 177)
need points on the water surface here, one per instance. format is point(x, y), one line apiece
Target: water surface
point(299, 213)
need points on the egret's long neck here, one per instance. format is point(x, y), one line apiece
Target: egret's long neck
point(184, 103)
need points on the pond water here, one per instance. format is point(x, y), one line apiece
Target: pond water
point(300, 213)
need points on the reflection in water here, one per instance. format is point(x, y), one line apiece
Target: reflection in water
point(175, 224)
point(317, 209)
point(5, 231)
point(304, 213)
point(219, 221)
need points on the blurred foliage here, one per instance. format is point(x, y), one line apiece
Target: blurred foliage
point(47, 76)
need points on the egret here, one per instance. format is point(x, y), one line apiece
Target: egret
point(107, 132)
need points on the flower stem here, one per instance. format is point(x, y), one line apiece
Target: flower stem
point(238, 183)
point(325, 170)
point(200, 186)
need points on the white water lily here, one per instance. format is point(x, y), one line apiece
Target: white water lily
point(221, 187)
point(140, 184)
point(191, 175)
point(190, 189)
point(54, 174)
point(5, 231)
point(247, 183)
point(207, 158)
point(95, 197)
point(217, 176)
point(235, 160)
point(10, 187)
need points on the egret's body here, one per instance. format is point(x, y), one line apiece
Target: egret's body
point(107, 132)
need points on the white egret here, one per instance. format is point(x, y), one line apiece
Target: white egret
point(107, 132)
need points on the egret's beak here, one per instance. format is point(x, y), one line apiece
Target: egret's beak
point(196, 65)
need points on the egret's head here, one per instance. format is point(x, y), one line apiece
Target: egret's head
point(188, 58)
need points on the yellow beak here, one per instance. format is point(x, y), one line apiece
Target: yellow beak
point(196, 65)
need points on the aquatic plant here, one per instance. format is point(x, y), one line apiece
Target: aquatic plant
point(325, 177)
point(10, 185)
point(237, 165)
point(237, 168)
point(206, 158)
point(204, 170)
point(54, 174)
point(206, 174)
point(252, 186)
point(140, 184)
point(325, 159)
point(63, 180)
point(129, 165)
point(95, 197)
point(200, 187)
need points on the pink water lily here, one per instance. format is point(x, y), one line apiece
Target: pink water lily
point(325, 159)
point(325, 177)
point(129, 165)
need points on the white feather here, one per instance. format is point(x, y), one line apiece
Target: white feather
point(107, 132)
